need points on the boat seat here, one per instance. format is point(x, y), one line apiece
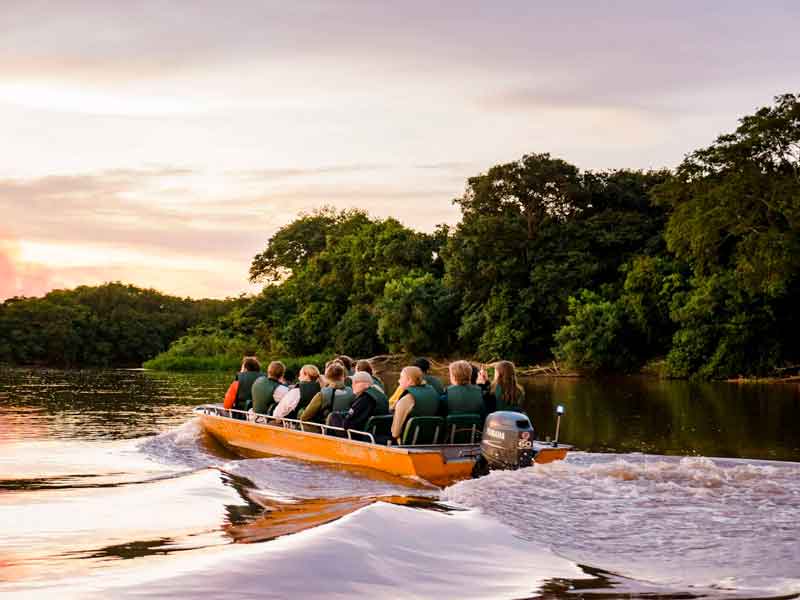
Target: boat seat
point(422, 430)
point(380, 426)
point(462, 428)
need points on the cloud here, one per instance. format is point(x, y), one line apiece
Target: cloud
point(134, 225)
point(275, 174)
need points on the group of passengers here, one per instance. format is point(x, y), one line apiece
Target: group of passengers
point(348, 394)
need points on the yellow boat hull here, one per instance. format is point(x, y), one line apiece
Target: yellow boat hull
point(440, 464)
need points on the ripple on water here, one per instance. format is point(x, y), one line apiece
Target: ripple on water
point(685, 522)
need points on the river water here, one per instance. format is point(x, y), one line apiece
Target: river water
point(108, 488)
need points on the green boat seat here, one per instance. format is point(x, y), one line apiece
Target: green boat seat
point(464, 428)
point(379, 426)
point(422, 430)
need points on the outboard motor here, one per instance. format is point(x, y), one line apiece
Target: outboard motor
point(507, 443)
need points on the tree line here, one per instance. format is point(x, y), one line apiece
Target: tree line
point(112, 325)
point(604, 271)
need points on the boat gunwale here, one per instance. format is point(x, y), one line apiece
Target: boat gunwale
point(398, 449)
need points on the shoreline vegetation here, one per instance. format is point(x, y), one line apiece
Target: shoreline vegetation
point(686, 273)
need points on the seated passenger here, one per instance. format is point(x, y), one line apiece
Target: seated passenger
point(289, 378)
point(299, 396)
point(334, 397)
point(424, 366)
point(369, 400)
point(347, 362)
point(268, 391)
point(365, 365)
point(462, 396)
point(244, 380)
point(417, 399)
point(505, 393)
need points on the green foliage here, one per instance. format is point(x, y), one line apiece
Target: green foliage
point(415, 314)
point(736, 220)
point(736, 204)
point(219, 352)
point(608, 269)
point(593, 338)
point(293, 245)
point(514, 280)
point(107, 325)
point(723, 331)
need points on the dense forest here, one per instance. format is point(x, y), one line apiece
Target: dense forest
point(107, 325)
point(696, 269)
point(605, 271)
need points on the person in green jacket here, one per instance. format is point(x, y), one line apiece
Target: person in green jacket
point(334, 397)
point(268, 391)
point(250, 372)
point(424, 365)
point(417, 399)
point(462, 397)
point(506, 393)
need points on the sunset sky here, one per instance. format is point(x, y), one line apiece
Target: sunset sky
point(162, 143)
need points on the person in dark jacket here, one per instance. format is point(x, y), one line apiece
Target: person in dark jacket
point(366, 401)
point(365, 365)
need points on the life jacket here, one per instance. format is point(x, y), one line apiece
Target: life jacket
point(263, 393)
point(434, 382)
point(426, 401)
point(335, 399)
point(503, 404)
point(381, 401)
point(244, 397)
point(464, 399)
point(230, 395)
point(308, 389)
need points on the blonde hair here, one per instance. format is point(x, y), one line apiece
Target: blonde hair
point(461, 372)
point(276, 369)
point(311, 371)
point(414, 374)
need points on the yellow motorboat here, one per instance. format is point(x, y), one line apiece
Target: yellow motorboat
point(440, 464)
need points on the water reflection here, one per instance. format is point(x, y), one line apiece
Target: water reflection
point(670, 417)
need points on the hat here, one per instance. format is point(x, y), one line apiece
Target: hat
point(361, 377)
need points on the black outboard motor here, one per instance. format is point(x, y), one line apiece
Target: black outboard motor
point(507, 443)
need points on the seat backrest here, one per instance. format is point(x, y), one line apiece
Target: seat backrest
point(464, 428)
point(422, 430)
point(380, 425)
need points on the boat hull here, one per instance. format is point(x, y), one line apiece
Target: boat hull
point(440, 465)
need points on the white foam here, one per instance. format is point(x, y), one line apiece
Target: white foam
point(675, 521)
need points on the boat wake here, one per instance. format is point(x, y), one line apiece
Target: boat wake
point(684, 522)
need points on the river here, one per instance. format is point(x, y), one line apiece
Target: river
point(109, 488)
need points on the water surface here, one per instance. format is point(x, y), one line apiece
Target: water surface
point(109, 488)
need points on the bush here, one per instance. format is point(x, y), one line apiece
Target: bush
point(592, 339)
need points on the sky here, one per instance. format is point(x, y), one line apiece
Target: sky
point(162, 143)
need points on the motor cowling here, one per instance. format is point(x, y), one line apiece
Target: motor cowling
point(507, 441)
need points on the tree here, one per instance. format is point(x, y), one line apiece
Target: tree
point(736, 204)
point(293, 245)
point(415, 315)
